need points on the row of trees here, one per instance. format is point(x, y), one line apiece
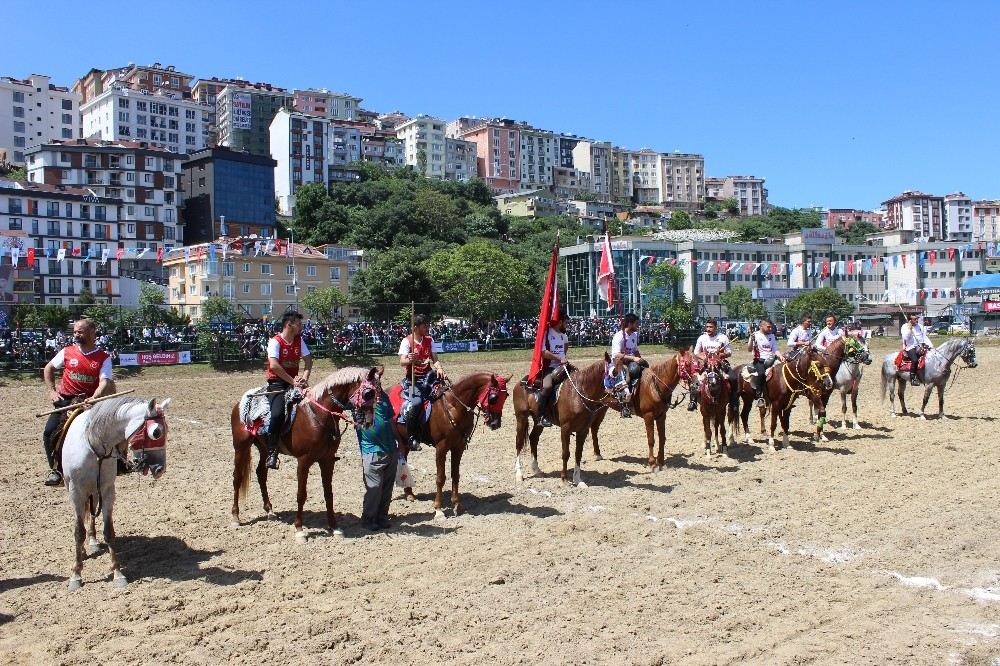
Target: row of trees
point(739, 304)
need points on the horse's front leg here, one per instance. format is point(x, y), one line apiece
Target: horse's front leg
point(581, 439)
point(706, 425)
point(107, 509)
point(326, 466)
point(594, 427)
point(262, 479)
point(720, 426)
point(456, 465)
point(564, 437)
point(649, 421)
point(854, 405)
point(821, 421)
point(843, 410)
point(774, 425)
point(661, 435)
point(302, 473)
point(440, 453)
point(786, 416)
point(520, 437)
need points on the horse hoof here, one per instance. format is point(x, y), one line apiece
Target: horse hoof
point(598, 458)
point(94, 549)
point(824, 438)
point(581, 485)
point(301, 537)
point(923, 418)
point(858, 427)
point(75, 584)
point(535, 469)
point(893, 415)
point(439, 515)
point(120, 582)
point(234, 524)
point(337, 532)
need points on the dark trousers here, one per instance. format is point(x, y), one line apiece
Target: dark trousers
point(379, 473)
point(51, 434)
point(914, 356)
point(415, 394)
point(277, 402)
point(551, 378)
point(760, 367)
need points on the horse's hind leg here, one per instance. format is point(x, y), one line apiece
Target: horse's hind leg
point(262, 479)
point(456, 464)
point(79, 536)
point(745, 408)
point(519, 438)
point(441, 452)
point(900, 390)
point(581, 439)
point(93, 545)
point(326, 474)
point(927, 396)
point(940, 392)
point(650, 425)
point(302, 473)
point(661, 435)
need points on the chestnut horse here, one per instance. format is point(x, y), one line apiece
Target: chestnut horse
point(581, 406)
point(713, 400)
point(654, 396)
point(452, 424)
point(313, 438)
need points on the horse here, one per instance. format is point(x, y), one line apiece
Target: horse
point(453, 422)
point(848, 379)
point(581, 407)
point(654, 396)
point(937, 369)
point(713, 400)
point(313, 437)
point(95, 441)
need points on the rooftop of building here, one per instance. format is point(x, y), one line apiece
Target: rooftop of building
point(241, 83)
point(102, 145)
point(910, 194)
point(268, 248)
point(27, 82)
point(225, 153)
point(324, 91)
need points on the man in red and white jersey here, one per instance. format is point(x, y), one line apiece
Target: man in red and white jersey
point(418, 360)
point(284, 351)
point(86, 374)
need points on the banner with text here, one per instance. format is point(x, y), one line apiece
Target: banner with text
point(241, 111)
point(154, 358)
point(457, 346)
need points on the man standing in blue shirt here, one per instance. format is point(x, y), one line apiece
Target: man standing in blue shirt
point(378, 465)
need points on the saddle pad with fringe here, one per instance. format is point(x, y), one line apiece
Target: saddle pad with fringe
point(396, 400)
point(255, 409)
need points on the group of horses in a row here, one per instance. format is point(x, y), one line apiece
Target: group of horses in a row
point(110, 430)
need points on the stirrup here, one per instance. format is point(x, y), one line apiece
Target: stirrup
point(544, 422)
point(414, 444)
point(272, 459)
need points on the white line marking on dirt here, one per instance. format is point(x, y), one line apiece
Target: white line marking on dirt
point(684, 523)
point(597, 508)
point(981, 593)
point(481, 479)
point(918, 581)
point(985, 630)
point(834, 556)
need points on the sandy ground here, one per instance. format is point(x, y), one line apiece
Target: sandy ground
point(878, 547)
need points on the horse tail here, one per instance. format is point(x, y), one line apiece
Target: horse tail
point(733, 416)
point(885, 379)
point(243, 462)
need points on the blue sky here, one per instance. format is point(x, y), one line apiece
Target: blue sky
point(836, 104)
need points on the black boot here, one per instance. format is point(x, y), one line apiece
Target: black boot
point(692, 396)
point(543, 411)
point(914, 380)
point(272, 450)
point(413, 429)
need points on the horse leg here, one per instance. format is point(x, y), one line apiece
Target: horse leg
point(720, 427)
point(520, 435)
point(107, 507)
point(821, 422)
point(706, 425)
point(928, 389)
point(854, 406)
point(786, 416)
point(843, 410)
point(93, 545)
point(79, 536)
point(661, 436)
point(581, 439)
point(262, 480)
point(900, 390)
point(536, 432)
point(326, 474)
point(441, 452)
point(302, 473)
point(594, 427)
point(647, 418)
point(745, 408)
point(774, 426)
point(564, 436)
point(812, 414)
point(456, 464)
point(940, 392)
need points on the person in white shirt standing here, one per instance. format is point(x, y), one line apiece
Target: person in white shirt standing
point(915, 343)
point(625, 354)
point(709, 342)
point(800, 338)
point(830, 332)
point(555, 370)
point(764, 347)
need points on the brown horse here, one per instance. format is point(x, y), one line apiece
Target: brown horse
point(452, 424)
point(313, 438)
point(654, 396)
point(713, 400)
point(581, 406)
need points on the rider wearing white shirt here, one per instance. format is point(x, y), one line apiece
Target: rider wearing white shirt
point(709, 342)
point(914, 340)
point(800, 338)
point(830, 333)
point(764, 346)
point(625, 352)
point(557, 368)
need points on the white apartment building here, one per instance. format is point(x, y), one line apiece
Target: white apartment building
point(160, 118)
point(622, 178)
point(460, 159)
point(646, 176)
point(683, 181)
point(299, 143)
point(33, 111)
point(594, 157)
point(423, 140)
point(538, 156)
point(918, 212)
point(984, 221)
point(958, 216)
point(749, 192)
point(327, 104)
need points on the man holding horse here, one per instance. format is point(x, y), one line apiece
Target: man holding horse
point(284, 351)
point(86, 374)
point(423, 369)
point(764, 347)
point(555, 371)
point(830, 332)
point(915, 344)
point(709, 342)
point(801, 337)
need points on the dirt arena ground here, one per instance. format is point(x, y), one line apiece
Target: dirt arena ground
point(879, 547)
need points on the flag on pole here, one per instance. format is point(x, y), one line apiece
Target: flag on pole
point(31, 257)
point(548, 309)
point(606, 274)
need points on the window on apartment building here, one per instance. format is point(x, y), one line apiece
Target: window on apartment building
point(19, 98)
point(246, 267)
point(289, 289)
point(335, 273)
point(289, 270)
point(67, 133)
point(19, 127)
point(14, 224)
point(19, 112)
point(265, 290)
point(310, 271)
point(265, 269)
point(246, 287)
point(130, 228)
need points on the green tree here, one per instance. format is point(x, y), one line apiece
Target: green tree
point(679, 220)
point(151, 300)
point(856, 233)
point(105, 315)
point(731, 206)
point(437, 215)
point(393, 277)
point(217, 309)
point(818, 303)
point(480, 280)
point(321, 303)
point(665, 297)
point(422, 161)
point(740, 304)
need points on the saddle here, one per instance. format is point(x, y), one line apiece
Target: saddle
point(904, 364)
point(535, 387)
point(748, 372)
point(255, 410)
point(397, 401)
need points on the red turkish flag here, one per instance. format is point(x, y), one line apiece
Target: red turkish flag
point(31, 257)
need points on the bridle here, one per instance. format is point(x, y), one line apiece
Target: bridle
point(814, 369)
point(362, 398)
point(489, 402)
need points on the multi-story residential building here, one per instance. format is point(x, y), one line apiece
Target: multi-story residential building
point(683, 181)
point(538, 156)
point(958, 217)
point(146, 179)
point(299, 143)
point(227, 193)
point(245, 112)
point(837, 218)
point(528, 204)
point(498, 150)
point(326, 104)
point(49, 218)
point(33, 111)
point(388, 122)
point(918, 212)
point(460, 159)
point(345, 142)
point(984, 221)
point(259, 278)
point(379, 147)
point(748, 191)
point(646, 177)
point(570, 183)
point(424, 147)
point(594, 157)
point(150, 79)
point(622, 177)
point(566, 144)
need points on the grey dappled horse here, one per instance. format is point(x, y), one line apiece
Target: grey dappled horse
point(848, 380)
point(937, 370)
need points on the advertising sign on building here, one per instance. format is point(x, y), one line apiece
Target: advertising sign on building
point(817, 236)
point(241, 110)
point(991, 306)
point(155, 358)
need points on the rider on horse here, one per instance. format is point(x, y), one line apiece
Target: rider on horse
point(416, 356)
point(915, 344)
point(800, 338)
point(830, 332)
point(709, 342)
point(764, 347)
point(556, 370)
point(86, 374)
point(284, 351)
point(625, 354)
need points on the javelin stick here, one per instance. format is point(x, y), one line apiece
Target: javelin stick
point(413, 342)
point(89, 401)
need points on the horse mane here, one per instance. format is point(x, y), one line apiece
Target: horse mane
point(476, 378)
point(593, 372)
point(105, 418)
point(344, 376)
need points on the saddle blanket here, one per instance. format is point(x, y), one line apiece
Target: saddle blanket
point(397, 401)
point(904, 364)
point(747, 372)
point(255, 409)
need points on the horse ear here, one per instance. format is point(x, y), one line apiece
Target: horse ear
point(372, 373)
point(165, 404)
point(508, 378)
point(493, 379)
point(151, 407)
point(607, 357)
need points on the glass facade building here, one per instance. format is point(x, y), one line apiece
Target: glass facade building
point(244, 193)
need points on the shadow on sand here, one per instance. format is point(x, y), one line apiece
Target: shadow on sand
point(8, 584)
point(171, 558)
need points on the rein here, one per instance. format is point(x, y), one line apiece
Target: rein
point(787, 371)
point(340, 415)
point(657, 382)
point(598, 402)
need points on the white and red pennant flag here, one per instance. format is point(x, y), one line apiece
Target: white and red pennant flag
point(606, 274)
point(548, 310)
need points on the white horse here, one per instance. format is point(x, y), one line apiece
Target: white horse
point(848, 381)
point(937, 369)
point(95, 441)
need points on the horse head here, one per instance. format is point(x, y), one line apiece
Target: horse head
point(491, 400)
point(857, 351)
point(147, 425)
point(366, 394)
point(713, 377)
point(969, 353)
